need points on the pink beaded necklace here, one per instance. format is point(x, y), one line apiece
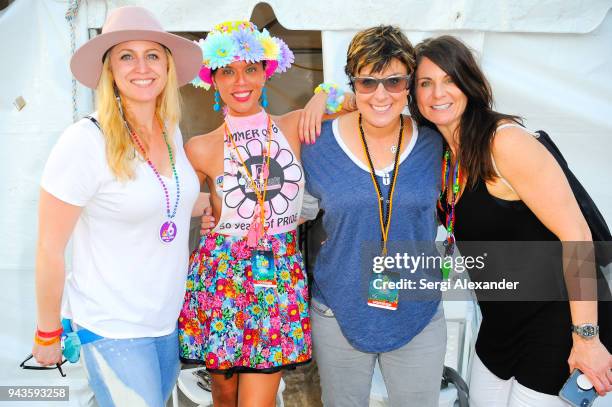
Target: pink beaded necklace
point(168, 230)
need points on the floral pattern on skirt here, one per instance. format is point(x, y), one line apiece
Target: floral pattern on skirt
point(232, 325)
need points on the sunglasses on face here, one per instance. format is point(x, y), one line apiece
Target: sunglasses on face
point(36, 367)
point(392, 84)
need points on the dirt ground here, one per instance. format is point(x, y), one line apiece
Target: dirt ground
point(303, 388)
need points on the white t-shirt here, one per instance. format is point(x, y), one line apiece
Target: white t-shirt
point(125, 282)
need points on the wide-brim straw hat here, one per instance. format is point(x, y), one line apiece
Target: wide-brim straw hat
point(133, 23)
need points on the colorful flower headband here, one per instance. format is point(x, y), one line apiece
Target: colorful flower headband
point(241, 41)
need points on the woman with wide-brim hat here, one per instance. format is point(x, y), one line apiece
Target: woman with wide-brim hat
point(119, 184)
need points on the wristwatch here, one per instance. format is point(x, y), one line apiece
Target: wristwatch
point(586, 331)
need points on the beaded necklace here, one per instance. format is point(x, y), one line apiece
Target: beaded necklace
point(168, 230)
point(256, 230)
point(449, 243)
point(384, 216)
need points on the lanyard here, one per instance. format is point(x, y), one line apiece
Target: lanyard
point(263, 175)
point(383, 215)
point(450, 212)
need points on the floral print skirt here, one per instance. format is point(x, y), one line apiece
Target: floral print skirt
point(233, 326)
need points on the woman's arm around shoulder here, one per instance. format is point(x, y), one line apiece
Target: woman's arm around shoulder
point(314, 113)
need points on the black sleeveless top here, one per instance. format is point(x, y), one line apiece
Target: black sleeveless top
point(529, 341)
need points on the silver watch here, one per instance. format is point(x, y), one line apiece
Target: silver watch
point(586, 331)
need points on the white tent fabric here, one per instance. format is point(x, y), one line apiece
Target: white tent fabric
point(545, 16)
point(548, 61)
point(36, 52)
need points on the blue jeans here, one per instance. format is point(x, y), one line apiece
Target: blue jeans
point(132, 372)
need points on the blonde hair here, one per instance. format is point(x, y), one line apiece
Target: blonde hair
point(119, 145)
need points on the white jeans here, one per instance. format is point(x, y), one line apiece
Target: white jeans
point(488, 390)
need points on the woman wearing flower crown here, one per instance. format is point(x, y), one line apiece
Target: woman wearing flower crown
point(246, 304)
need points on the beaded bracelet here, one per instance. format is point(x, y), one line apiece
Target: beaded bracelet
point(42, 342)
point(335, 97)
point(47, 335)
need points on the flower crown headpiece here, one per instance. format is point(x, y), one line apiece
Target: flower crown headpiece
point(241, 41)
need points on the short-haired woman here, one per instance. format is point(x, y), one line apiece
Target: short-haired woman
point(373, 174)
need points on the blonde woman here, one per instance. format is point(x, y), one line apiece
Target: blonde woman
point(119, 184)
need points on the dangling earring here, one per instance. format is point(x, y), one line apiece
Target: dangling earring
point(264, 97)
point(120, 107)
point(118, 100)
point(217, 106)
point(125, 123)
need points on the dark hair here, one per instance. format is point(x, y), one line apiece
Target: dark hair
point(378, 46)
point(479, 121)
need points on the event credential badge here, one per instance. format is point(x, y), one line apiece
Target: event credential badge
point(382, 290)
point(262, 264)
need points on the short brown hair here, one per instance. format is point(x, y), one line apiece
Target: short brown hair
point(377, 46)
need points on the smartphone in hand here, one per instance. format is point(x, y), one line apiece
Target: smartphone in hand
point(578, 390)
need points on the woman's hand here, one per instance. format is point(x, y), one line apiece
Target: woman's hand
point(47, 355)
point(309, 126)
point(594, 360)
point(208, 221)
point(202, 202)
point(203, 210)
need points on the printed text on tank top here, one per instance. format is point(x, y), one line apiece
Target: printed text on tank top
point(285, 181)
point(257, 179)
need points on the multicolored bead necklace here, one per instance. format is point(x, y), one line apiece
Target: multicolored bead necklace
point(168, 229)
point(449, 243)
point(384, 216)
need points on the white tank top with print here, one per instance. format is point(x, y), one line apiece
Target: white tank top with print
point(285, 187)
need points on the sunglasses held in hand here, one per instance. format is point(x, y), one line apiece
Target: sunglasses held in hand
point(38, 367)
point(392, 84)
